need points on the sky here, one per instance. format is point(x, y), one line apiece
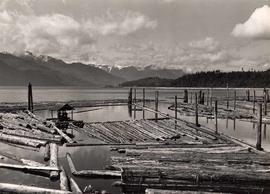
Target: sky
point(193, 35)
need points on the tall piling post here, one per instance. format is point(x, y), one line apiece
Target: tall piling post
point(259, 128)
point(254, 100)
point(130, 102)
point(227, 96)
point(200, 97)
point(191, 97)
point(207, 98)
point(196, 111)
point(175, 107)
point(185, 96)
point(130, 96)
point(265, 103)
point(143, 93)
point(216, 116)
point(202, 101)
point(30, 98)
point(234, 102)
point(211, 97)
point(135, 101)
point(156, 105)
point(248, 95)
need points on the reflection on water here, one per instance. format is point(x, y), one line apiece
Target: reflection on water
point(99, 157)
point(63, 94)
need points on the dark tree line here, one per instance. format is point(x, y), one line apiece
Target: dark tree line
point(210, 79)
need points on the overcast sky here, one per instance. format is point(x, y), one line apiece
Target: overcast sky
point(194, 35)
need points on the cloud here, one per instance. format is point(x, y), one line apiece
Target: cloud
point(122, 23)
point(60, 35)
point(209, 44)
point(257, 26)
point(198, 55)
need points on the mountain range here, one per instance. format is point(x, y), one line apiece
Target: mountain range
point(130, 73)
point(49, 71)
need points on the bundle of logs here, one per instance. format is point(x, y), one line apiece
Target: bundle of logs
point(208, 111)
point(26, 130)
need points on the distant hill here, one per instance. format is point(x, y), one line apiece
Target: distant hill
point(48, 71)
point(133, 73)
point(209, 79)
point(149, 82)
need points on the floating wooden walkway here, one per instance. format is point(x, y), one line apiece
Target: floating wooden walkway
point(180, 156)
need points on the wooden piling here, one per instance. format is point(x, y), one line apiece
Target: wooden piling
point(135, 101)
point(234, 102)
point(196, 111)
point(200, 97)
point(259, 128)
point(130, 96)
point(143, 103)
point(202, 100)
point(156, 105)
point(135, 96)
point(227, 96)
point(216, 116)
point(207, 98)
point(211, 97)
point(30, 98)
point(175, 107)
point(185, 96)
point(265, 103)
point(248, 95)
point(254, 100)
point(191, 97)
point(267, 95)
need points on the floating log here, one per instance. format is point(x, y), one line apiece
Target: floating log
point(25, 167)
point(64, 183)
point(45, 129)
point(201, 188)
point(32, 163)
point(160, 191)
point(67, 138)
point(23, 189)
point(74, 187)
point(38, 136)
point(54, 160)
point(92, 173)
point(21, 140)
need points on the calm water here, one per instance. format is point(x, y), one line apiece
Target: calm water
point(99, 157)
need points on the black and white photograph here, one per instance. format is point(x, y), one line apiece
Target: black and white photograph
point(135, 96)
